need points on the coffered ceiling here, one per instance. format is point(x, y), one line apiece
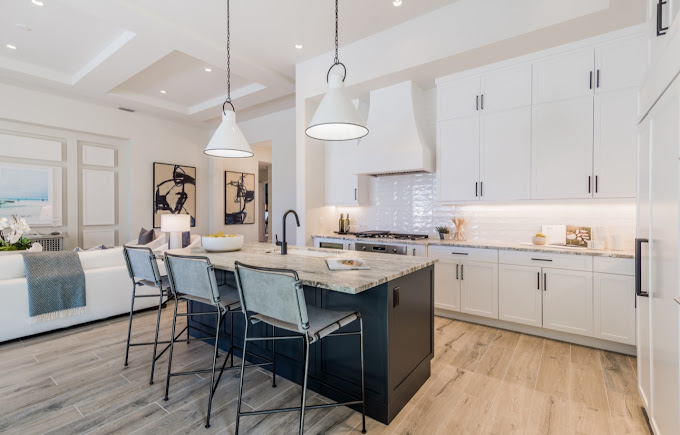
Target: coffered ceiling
point(169, 57)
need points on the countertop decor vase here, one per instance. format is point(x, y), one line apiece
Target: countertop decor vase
point(460, 232)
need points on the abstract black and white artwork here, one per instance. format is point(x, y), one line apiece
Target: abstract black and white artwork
point(239, 198)
point(174, 191)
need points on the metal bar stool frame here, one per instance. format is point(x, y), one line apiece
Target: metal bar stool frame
point(220, 313)
point(163, 292)
point(306, 348)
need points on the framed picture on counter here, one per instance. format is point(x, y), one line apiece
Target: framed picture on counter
point(174, 191)
point(239, 198)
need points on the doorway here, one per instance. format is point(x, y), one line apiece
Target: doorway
point(265, 201)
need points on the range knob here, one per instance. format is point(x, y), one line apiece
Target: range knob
point(394, 250)
point(363, 248)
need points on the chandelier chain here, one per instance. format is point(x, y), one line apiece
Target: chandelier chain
point(337, 59)
point(228, 55)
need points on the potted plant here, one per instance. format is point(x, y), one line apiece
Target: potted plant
point(12, 236)
point(442, 231)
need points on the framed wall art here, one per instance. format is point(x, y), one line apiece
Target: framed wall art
point(239, 198)
point(174, 189)
point(31, 192)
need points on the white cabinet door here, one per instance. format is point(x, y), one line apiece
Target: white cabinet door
point(564, 76)
point(479, 288)
point(620, 64)
point(615, 144)
point(520, 297)
point(447, 285)
point(341, 184)
point(458, 98)
point(568, 301)
point(506, 88)
point(614, 307)
point(458, 159)
point(506, 155)
point(562, 149)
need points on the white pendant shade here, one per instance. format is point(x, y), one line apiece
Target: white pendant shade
point(228, 141)
point(336, 118)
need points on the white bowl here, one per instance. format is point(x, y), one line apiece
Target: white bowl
point(222, 244)
point(539, 240)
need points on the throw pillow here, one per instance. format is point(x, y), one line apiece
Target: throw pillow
point(94, 248)
point(146, 237)
point(186, 239)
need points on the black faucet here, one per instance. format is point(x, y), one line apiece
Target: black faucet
point(283, 244)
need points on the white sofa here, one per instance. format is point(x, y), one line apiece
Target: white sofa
point(108, 293)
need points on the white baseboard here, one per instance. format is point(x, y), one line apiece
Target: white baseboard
point(540, 332)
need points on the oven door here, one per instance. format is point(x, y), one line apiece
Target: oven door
point(380, 248)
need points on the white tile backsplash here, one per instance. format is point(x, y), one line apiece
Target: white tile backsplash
point(407, 203)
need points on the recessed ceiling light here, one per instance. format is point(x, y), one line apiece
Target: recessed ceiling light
point(24, 27)
point(208, 70)
point(163, 92)
point(298, 46)
point(397, 3)
point(11, 47)
point(37, 2)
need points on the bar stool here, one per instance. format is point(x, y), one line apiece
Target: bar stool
point(192, 278)
point(143, 269)
point(276, 297)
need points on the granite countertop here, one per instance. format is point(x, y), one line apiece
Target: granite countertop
point(310, 265)
point(493, 245)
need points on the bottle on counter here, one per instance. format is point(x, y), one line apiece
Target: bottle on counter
point(347, 223)
point(341, 224)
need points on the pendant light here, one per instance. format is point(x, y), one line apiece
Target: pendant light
point(228, 141)
point(336, 118)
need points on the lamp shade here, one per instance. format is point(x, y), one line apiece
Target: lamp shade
point(175, 223)
point(228, 141)
point(336, 117)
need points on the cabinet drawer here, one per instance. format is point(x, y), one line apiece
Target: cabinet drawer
point(619, 266)
point(555, 261)
point(455, 253)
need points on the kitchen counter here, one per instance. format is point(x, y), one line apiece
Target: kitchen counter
point(491, 245)
point(395, 298)
point(310, 264)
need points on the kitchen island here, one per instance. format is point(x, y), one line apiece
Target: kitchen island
point(395, 298)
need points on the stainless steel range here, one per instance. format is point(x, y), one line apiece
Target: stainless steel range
point(385, 248)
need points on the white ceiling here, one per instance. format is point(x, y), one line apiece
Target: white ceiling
point(124, 52)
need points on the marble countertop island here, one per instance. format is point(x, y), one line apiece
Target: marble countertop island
point(310, 264)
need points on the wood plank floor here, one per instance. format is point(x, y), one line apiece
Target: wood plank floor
point(484, 381)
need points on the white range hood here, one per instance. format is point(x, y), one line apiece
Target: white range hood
point(395, 143)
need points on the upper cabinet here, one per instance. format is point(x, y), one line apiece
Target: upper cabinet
point(620, 64)
point(564, 76)
point(343, 187)
point(554, 126)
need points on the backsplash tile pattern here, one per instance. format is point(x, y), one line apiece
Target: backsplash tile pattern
point(407, 203)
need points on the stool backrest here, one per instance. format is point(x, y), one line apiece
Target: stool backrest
point(193, 276)
point(141, 263)
point(275, 293)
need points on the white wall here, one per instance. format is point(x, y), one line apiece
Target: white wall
point(279, 129)
point(142, 140)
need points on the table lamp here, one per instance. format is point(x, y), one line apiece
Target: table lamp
point(175, 224)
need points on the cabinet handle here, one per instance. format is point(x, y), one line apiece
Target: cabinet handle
point(457, 266)
point(477, 102)
point(459, 253)
point(541, 259)
point(476, 188)
point(660, 29)
point(591, 80)
point(395, 294)
point(538, 280)
point(414, 252)
point(481, 188)
point(545, 282)
point(461, 272)
point(638, 268)
point(482, 101)
point(589, 183)
point(355, 194)
point(597, 80)
point(597, 183)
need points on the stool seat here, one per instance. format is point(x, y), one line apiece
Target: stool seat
point(322, 322)
point(229, 298)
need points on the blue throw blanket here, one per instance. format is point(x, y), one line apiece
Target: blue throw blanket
point(56, 285)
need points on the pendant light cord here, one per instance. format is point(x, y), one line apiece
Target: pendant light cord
point(229, 64)
point(336, 61)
